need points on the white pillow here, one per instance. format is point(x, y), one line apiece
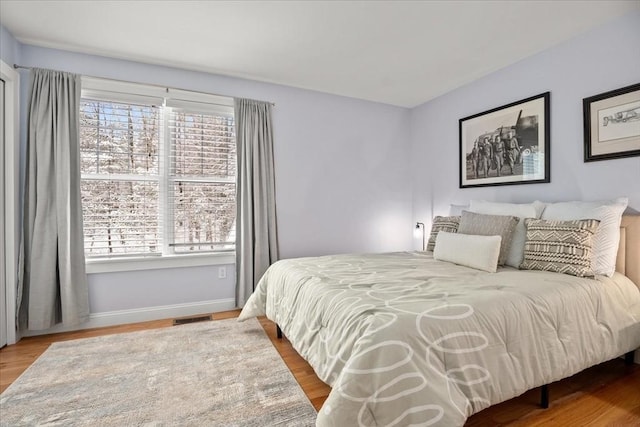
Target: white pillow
point(479, 252)
point(607, 237)
point(522, 211)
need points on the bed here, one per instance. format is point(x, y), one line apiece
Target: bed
point(404, 339)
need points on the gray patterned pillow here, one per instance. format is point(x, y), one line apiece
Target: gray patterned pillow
point(442, 223)
point(490, 225)
point(559, 246)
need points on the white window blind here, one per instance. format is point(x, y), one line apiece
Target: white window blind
point(202, 181)
point(156, 179)
point(120, 178)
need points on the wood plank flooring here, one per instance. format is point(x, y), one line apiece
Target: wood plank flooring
point(605, 395)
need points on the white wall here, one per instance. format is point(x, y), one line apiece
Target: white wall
point(341, 179)
point(604, 59)
point(129, 290)
point(9, 47)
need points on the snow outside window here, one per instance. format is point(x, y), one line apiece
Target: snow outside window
point(158, 172)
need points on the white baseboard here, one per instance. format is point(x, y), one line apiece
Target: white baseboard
point(145, 314)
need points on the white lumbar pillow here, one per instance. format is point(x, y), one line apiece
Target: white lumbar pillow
point(607, 237)
point(479, 252)
point(522, 211)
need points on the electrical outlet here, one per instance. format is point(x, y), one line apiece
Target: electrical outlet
point(222, 272)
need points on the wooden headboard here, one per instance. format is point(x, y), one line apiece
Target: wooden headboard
point(628, 261)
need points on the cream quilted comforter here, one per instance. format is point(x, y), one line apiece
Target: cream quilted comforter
point(403, 339)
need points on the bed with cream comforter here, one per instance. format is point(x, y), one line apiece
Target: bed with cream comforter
point(403, 339)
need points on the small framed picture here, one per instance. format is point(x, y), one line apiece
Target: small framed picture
point(612, 124)
point(507, 145)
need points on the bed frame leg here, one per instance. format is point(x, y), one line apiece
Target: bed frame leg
point(628, 358)
point(544, 396)
point(278, 332)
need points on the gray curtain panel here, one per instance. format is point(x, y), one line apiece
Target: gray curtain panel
point(256, 234)
point(53, 282)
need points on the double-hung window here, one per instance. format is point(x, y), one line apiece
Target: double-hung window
point(158, 170)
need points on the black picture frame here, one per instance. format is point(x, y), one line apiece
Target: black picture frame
point(612, 124)
point(526, 124)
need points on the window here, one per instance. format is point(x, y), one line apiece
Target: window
point(202, 185)
point(158, 171)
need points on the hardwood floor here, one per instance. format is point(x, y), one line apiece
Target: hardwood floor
point(605, 395)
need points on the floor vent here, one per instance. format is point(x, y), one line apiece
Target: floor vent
point(185, 320)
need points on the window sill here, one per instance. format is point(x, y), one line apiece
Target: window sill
point(174, 261)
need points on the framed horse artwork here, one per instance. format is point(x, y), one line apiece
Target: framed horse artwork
point(506, 145)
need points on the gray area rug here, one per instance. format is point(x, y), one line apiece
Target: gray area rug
point(218, 373)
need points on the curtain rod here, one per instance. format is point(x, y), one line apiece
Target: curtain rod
point(24, 67)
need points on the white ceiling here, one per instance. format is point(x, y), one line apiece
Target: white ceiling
point(395, 52)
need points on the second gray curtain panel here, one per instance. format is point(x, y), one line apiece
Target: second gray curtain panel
point(256, 230)
point(52, 286)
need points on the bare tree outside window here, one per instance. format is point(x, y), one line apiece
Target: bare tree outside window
point(203, 181)
point(122, 180)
